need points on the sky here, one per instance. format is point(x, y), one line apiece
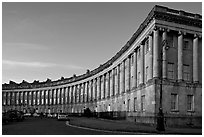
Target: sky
point(54, 40)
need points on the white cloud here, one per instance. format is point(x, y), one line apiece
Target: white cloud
point(26, 64)
point(30, 46)
point(15, 64)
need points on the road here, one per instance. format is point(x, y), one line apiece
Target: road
point(47, 126)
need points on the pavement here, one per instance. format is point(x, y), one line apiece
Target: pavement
point(131, 127)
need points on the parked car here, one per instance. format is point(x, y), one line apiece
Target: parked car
point(36, 115)
point(62, 116)
point(15, 115)
point(27, 114)
point(5, 118)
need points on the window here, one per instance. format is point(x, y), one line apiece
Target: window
point(186, 72)
point(146, 73)
point(138, 53)
point(138, 78)
point(143, 103)
point(174, 102)
point(135, 104)
point(190, 102)
point(186, 44)
point(170, 71)
point(115, 71)
point(128, 105)
point(132, 59)
point(170, 41)
point(147, 46)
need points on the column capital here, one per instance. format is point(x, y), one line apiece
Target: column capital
point(181, 32)
point(156, 28)
point(150, 33)
point(197, 36)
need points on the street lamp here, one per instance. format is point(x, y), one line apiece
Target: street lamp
point(160, 116)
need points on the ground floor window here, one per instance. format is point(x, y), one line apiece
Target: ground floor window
point(190, 102)
point(143, 103)
point(174, 101)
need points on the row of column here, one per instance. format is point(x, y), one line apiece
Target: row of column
point(162, 50)
point(123, 78)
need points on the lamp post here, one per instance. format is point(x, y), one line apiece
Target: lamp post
point(160, 116)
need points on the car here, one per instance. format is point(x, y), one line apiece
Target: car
point(49, 115)
point(62, 116)
point(15, 115)
point(5, 118)
point(27, 114)
point(36, 115)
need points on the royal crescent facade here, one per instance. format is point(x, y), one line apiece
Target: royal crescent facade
point(168, 41)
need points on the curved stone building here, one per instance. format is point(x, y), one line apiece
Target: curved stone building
point(159, 66)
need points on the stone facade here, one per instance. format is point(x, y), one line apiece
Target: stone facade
point(168, 41)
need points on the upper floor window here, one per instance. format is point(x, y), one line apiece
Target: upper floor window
point(146, 73)
point(170, 40)
point(186, 72)
point(170, 70)
point(138, 78)
point(186, 44)
point(132, 59)
point(138, 53)
point(147, 46)
point(115, 71)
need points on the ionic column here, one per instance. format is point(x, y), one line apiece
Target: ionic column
point(164, 59)
point(180, 56)
point(85, 93)
point(107, 91)
point(195, 58)
point(76, 93)
point(111, 83)
point(54, 96)
point(116, 80)
point(105, 85)
point(98, 88)
point(79, 93)
point(69, 94)
point(4, 98)
point(121, 78)
point(88, 95)
point(90, 90)
point(142, 70)
point(60, 97)
point(8, 97)
point(151, 56)
point(94, 89)
point(50, 96)
point(16, 98)
point(29, 97)
point(156, 53)
point(127, 74)
point(73, 94)
point(135, 69)
point(66, 95)
point(102, 86)
point(46, 97)
point(32, 98)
